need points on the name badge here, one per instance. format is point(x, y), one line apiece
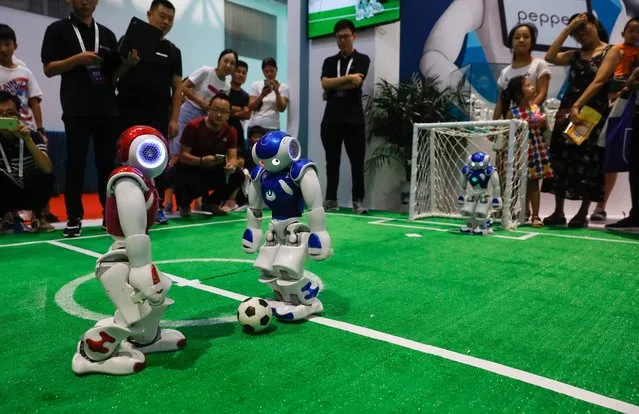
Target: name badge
point(97, 75)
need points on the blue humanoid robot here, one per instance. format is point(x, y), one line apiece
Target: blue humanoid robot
point(478, 203)
point(285, 183)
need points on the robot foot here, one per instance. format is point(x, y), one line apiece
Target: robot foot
point(482, 232)
point(466, 229)
point(287, 312)
point(123, 362)
point(167, 340)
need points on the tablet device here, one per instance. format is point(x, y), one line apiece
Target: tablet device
point(143, 37)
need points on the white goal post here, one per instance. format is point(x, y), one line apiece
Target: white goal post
point(440, 150)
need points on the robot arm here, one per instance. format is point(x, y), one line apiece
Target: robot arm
point(252, 238)
point(463, 180)
point(319, 242)
point(494, 182)
point(143, 276)
point(443, 44)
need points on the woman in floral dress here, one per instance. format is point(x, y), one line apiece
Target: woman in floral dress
point(578, 169)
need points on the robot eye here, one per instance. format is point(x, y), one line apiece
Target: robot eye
point(150, 153)
point(481, 164)
point(275, 161)
point(472, 164)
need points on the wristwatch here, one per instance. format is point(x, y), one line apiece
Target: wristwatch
point(42, 130)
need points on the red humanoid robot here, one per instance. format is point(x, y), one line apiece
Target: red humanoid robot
point(117, 345)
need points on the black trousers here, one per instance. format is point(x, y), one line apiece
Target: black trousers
point(104, 132)
point(38, 188)
point(354, 138)
point(131, 115)
point(193, 182)
point(633, 174)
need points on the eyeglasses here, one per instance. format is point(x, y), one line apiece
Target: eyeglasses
point(343, 36)
point(219, 111)
point(9, 114)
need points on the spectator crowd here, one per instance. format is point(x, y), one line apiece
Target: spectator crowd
point(102, 93)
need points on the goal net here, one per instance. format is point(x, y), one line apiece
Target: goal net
point(441, 150)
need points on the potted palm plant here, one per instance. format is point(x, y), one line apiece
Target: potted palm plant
point(393, 110)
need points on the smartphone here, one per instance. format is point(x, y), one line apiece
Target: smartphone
point(267, 83)
point(9, 123)
point(220, 157)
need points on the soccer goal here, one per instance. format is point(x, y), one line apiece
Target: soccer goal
point(440, 150)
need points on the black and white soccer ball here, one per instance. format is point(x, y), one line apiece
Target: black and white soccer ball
point(254, 314)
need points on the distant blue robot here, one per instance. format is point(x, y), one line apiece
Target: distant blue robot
point(285, 183)
point(479, 202)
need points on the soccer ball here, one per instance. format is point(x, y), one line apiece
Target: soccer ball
point(254, 314)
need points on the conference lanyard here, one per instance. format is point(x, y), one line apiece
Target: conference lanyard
point(339, 67)
point(20, 160)
point(79, 36)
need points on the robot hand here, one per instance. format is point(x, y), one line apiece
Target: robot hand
point(319, 245)
point(146, 281)
point(461, 200)
point(251, 240)
point(496, 203)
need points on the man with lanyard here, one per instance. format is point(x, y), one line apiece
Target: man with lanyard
point(85, 54)
point(342, 78)
point(148, 91)
point(26, 181)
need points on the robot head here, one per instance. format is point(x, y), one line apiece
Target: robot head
point(145, 149)
point(276, 151)
point(479, 161)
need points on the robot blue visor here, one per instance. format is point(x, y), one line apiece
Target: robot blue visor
point(269, 145)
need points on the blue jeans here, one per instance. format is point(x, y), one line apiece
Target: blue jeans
point(188, 112)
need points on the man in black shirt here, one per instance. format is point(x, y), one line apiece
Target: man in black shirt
point(239, 101)
point(85, 54)
point(148, 90)
point(342, 78)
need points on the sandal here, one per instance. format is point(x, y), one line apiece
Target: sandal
point(536, 222)
point(555, 220)
point(578, 222)
point(598, 216)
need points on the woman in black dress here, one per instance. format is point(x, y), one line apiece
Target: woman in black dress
point(578, 169)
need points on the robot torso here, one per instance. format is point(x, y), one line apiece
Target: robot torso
point(147, 185)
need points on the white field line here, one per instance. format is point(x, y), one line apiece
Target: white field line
point(96, 236)
point(499, 369)
point(408, 226)
point(564, 236)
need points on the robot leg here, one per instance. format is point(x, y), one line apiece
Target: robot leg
point(467, 212)
point(264, 262)
point(100, 350)
point(298, 291)
point(482, 216)
point(302, 294)
point(150, 337)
